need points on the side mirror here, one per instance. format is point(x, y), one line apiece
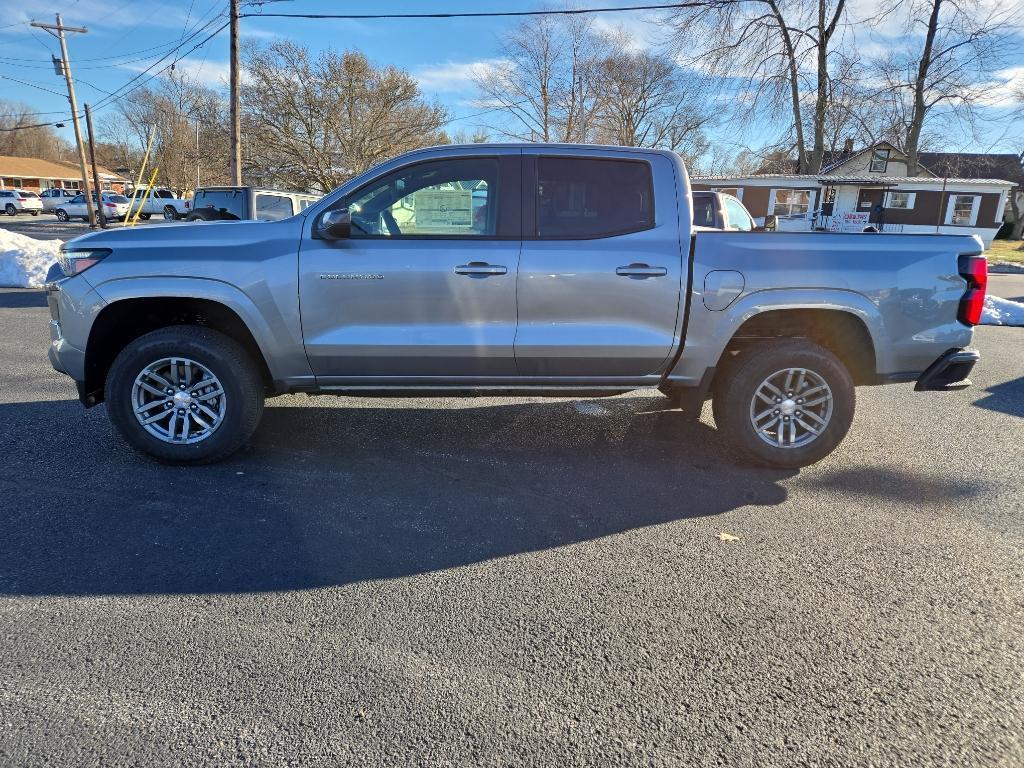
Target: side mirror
point(335, 225)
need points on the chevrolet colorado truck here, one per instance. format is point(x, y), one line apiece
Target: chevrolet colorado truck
point(530, 269)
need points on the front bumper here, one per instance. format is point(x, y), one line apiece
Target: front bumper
point(949, 372)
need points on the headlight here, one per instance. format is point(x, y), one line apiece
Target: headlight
point(76, 262)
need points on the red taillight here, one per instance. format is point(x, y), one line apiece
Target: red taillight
point(21, 199)
point(186, 203)
point(973, 269)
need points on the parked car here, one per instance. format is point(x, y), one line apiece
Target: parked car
point(161, 202)
point(518, 268)
point(242, 203)
point(15, 201)
point(721, 211)
point(53, 197)
point(115, 207)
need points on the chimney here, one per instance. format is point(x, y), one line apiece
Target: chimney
point(848, 147)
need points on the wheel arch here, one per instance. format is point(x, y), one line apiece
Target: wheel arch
point(845, 322)
point(125, 319)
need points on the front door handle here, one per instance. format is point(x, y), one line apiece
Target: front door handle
point(480, 268)
point(641, 270)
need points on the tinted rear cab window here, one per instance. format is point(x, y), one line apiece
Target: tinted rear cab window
point(587, 198)
point(229, 203)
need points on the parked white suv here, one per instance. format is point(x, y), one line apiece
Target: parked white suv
point(15, 201)
point(114, 207)
point(53, 197)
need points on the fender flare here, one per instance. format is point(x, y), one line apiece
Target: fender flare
point(169, 287)
point(710, 331)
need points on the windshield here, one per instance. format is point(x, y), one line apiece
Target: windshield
point(229, 202)
point(116, 198)
point(703, 210)
point(29, 194)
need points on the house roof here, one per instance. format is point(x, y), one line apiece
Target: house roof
point(960, 165)
point(34, 168)
point(813, 180)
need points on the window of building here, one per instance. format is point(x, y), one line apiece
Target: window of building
point(900, 200)
point(829, 196)
point(879, 160)
point(791, 202)
point(963, 210)
point(584, 198)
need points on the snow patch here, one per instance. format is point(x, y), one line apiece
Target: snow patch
point(24, 261)
point(1002, 312)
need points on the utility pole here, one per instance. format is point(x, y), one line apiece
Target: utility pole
point(95, 172)
point(236, 119)
point(58, 30)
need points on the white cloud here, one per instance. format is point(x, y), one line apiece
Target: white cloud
point(454, 76)
point(1006, 88)
point(641, 33)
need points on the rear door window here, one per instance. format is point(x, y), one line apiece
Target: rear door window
point(703, 210)
point(273, 207)
point(588, 198)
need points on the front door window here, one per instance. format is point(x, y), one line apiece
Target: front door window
point(446, 198)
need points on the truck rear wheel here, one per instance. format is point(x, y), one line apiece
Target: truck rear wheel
point(185, 395)
point(785, 403)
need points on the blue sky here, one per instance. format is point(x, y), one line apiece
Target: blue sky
point(440, 53)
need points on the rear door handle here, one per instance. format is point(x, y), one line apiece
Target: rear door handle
point(641, 270)
point(481, 268)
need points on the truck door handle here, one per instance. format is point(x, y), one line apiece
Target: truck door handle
point(480, 268)
point(641, 270)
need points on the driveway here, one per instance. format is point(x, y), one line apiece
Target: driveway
point(512, 581)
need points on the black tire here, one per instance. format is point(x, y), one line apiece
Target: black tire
point(737, 383)
point(34, 213)
point(61, 215)
point(224, 357)
point(10, 210)
point(145, 216)
point(170, 214)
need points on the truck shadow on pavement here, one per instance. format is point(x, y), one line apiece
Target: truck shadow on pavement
point(328, 496)
point(1007, 397)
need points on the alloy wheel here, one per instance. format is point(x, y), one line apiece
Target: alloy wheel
point(178, 400)
point(791, 408)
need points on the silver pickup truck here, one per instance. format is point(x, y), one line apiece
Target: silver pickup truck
point(522, 269)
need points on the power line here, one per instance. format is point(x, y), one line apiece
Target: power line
point(486, 14)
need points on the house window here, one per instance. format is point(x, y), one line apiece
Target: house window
point(791, 202)
point(963, 210)
point(72, 185)
point(879, 160)
point(900, 200)
point(830, 195)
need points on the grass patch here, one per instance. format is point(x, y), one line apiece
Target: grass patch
point(1006, 250)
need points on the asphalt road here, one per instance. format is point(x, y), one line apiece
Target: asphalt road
point(512, 582)
point(46, 227)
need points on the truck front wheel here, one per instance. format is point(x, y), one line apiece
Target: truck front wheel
point(784, 403)
point(185, 395)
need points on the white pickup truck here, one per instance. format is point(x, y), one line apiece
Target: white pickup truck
point(161, 202)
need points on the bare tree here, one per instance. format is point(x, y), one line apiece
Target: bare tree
point(22, 136)
point(312, 123)
point(774, 44)
point(545, 81)
point(963, 43)
point(646, 102)
point(172, 109)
